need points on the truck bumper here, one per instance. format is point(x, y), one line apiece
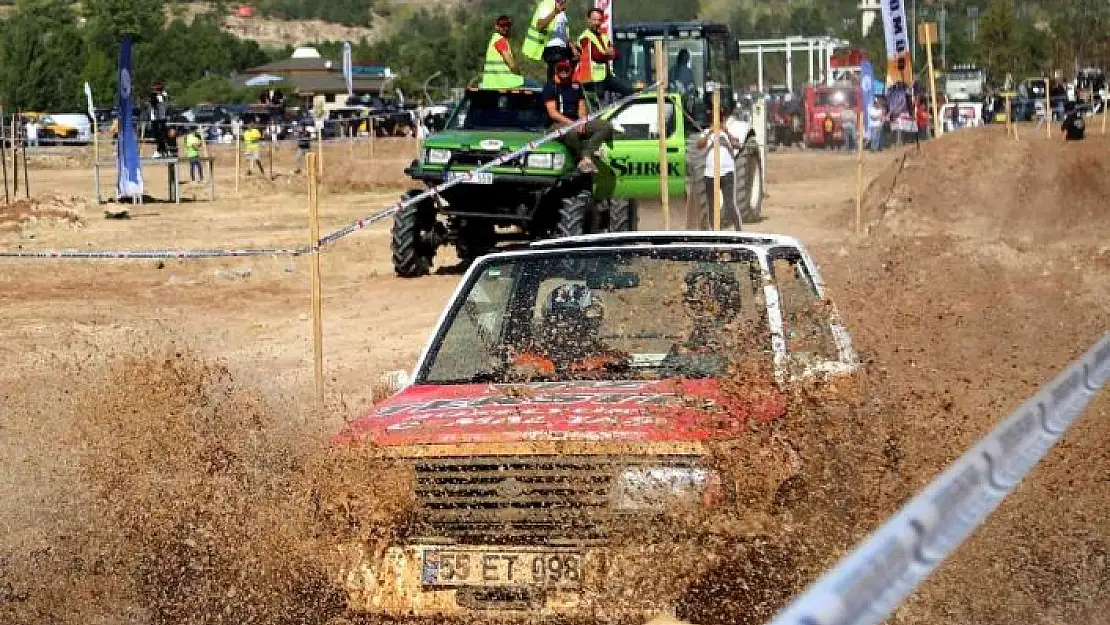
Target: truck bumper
point(390, 584)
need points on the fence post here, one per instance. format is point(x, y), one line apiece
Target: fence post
point(4, 156)
point(314, 240)
point(859, 175)
point(660, 104)
point(715, 143)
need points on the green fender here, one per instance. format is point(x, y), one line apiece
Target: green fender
point(631, 169)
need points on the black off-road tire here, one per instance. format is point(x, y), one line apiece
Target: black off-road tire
point(749, 178)
point(623, 216)
point(574, 215)
point(412, 254)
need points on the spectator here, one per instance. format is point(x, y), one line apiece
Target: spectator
point(730, 216)
point(922, 120)
point(1073, 126)
point(828, 127)
point(875, 124)
point(848, 127)
point(32, 131)
point(159, 102)
point(304, 144)
point(252, 139)
point(193, 141)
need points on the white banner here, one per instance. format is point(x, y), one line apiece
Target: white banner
point(869, 583)
point(348, 70)
point(606, 7)
point(899, 64)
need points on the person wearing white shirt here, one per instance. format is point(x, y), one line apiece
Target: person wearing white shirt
point(875, 125)
point(33, 133)
point(725, 143)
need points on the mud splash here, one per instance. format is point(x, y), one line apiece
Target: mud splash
point(196, 501)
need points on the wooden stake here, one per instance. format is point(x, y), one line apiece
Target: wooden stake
point(1047, 108)
point(238, 159)
point(273, 140)
point(660, 104)
point(314, 239)
point(15, 159)
point(716, 158)
point(350, 143)
point(859, 179)
point(1104, 112)
point(938, 125)
point(320, 151)
point(4, 156)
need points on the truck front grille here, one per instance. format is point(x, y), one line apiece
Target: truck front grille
point(525, 500)
point(473, 158)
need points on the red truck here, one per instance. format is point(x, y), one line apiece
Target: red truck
point(570, 389)
point(833, 101)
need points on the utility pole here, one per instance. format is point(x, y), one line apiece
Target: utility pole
point(943, 15)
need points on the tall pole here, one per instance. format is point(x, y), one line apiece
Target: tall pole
point(317, 305)
point(1047, 110)
point(4, 155)
point(661, 115)
point(859, 175)
point(938, 126)
point(715, 143)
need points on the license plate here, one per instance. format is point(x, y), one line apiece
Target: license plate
point(449, 567)
point(482, 177)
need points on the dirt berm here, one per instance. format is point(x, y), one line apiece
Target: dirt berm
point(986, 270)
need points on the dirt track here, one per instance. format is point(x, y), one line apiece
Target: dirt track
point(986, 269)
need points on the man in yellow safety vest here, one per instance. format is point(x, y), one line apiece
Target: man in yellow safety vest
point(598, 52)
point(548, 37)
point(501, 71)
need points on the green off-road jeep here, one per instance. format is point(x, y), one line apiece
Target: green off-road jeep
point(542, 194)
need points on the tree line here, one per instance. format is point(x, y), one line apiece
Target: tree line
point(48, 49)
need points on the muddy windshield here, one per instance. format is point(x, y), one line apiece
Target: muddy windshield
point(633, 314)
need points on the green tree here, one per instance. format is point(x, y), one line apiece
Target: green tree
point(38, 45)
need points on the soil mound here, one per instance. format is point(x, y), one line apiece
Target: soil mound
point(981, 185)
point(23, 214)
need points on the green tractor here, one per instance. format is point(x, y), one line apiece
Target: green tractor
point(543, 194)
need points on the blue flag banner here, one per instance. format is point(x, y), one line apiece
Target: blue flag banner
point(867, 85)
point(129, 171)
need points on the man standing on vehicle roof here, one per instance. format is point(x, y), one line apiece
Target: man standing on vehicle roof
point(597, 53)
point(548, 35)
point(501, 71)
point(565, 102)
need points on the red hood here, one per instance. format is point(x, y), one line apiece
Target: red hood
point(624, 411)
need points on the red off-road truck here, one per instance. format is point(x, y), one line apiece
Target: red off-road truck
point(570, 388)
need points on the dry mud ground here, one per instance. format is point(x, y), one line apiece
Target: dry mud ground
point(986, 267)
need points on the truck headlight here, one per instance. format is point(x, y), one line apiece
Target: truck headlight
point(661, 488)
point(437, 156)
point(545, 161)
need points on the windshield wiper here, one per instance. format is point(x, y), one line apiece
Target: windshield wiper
point(483, 376)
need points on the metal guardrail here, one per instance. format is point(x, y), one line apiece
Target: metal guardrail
point(869, 583)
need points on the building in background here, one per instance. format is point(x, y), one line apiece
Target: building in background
point(317, 82)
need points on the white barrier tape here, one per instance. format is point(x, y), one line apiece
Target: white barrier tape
point(150, 254)
point(869, 583)
point(497, 162)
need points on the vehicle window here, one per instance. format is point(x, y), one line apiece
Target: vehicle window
point(616, 315)
point(472, 337)
point(492, 110)
point(837, 98)
point(805, 317)
point(640, 120)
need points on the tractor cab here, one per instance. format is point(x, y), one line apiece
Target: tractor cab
point(697, 53)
